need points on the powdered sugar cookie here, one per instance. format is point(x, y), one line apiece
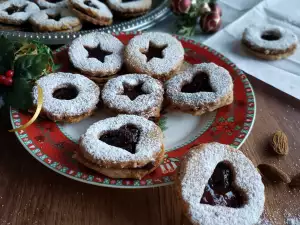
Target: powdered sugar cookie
point(217, 184)
point(97, 54)
point(269, 42)
point(92, 11)
point(157, 54)
point(201, 88)
point(67, 97)
point(55, 19)
point(46, 4)
point(136, 94)
point(16, 12)
point(130, 8)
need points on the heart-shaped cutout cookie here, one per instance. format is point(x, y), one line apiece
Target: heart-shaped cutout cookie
point(200, 83)
point(221, 188)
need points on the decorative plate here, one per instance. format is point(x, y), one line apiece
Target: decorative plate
point(53, 144)
point(160, 10)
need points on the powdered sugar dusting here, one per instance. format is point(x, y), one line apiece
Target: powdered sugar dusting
point(253, 33)
point(79, 55)
point(46, 4)
point(197, 168)
point(219, 79)
point(86, 100)
point(173, 54)
point(102, 10)
point(124, 6)
point(147, 148)
point(113, 97)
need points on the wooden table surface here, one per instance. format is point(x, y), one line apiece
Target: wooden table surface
point(31, 194)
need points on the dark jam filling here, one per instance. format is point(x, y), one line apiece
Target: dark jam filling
point(90, 4)
point(97, 53)
point(55, 17)
point(13, 9)
point(125, 137)
point(271, 35)
point(66, 93)
point(220, 189)
point(200, 83)
point(54, 1)
point(133, 91)
point(154, 52)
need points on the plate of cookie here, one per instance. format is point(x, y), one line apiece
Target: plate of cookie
point(124, 108)
point(59, 21)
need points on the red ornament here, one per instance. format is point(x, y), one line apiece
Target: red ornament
point(2, 79)
point(9, 73)
point(210, 22)
point(214, 7)
point(181, 6)
point(8, 81)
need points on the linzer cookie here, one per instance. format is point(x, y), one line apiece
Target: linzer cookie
point(157, 54)
point(97, 54)
point(201, 88)
point(137, 94)
point(269, 42)
point(17, 12)
point(46, 4)
point(129, 8)
point(126, 146)
point(217, 184)
point(55, 19)
point(92, 11)
point(67, 97)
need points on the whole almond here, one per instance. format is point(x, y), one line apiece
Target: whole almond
point(280, 143)
point(295, 181)
point(273, 174)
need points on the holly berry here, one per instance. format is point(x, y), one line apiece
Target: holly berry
point(210, 22)
point(8, 81)
point(2, 79)
point(181, 6)
point(9, 73)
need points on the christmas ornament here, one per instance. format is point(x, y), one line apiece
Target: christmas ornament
point(210, 22)
point(181, 6)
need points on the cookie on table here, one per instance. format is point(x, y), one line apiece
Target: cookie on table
point(129, 8)
point(126, 146)
point(68, 97)
point(55, 19)
point(218, 184)
point(157, 54)
point(17, 12)
point(46, 4)
point(97, 54)
point(270, 42)
point(92, 11)
point(199, 89)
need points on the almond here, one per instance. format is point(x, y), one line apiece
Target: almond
point(295, 181)
point(280, 143)
point(273, 174)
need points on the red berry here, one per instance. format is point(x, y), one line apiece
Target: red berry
point(210, 22)
point(2, 79)
point(8, 81)
point(9, 73)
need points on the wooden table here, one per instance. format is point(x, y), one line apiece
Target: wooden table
point(32, 194)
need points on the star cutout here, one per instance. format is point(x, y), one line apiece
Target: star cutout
point(133, 91)
point(154, 51)
point(97, 53)
point(13, 9)
point(200, 83)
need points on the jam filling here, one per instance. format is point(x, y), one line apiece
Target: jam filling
point(97, 53)
point(271, 35)
point(54, 1)
point(66, 93)
point(125, 1)
point(126, 137)
point(90, 4)
point(55, 17)
point(133, 91)
point(154, 52)
point(200, 83)
point(13, 9)
point(220, 189)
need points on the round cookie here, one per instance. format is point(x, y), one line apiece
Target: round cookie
point(269, 42)
point(55, 19)
point(16, 12)
point(97, 54)
point(46, 4)
point(218, 184)
point(92, 11)
point(199, 89)
point(130, 8)
point(157, 54)
point(67, 97)
point(137, 94)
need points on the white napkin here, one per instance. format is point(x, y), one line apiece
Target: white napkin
point(282, 74)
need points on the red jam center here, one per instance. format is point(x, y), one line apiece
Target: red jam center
point(154, 52)
point(66, 93)
point(125, 137)
point(271, 35)
point(54, 1)
point(97, 53)
point(90, 4)
point(133, 91)
point(220, 189)
point(200, 83)
point(13, 9)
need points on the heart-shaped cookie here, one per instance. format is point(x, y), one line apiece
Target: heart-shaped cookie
point(219, 185)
